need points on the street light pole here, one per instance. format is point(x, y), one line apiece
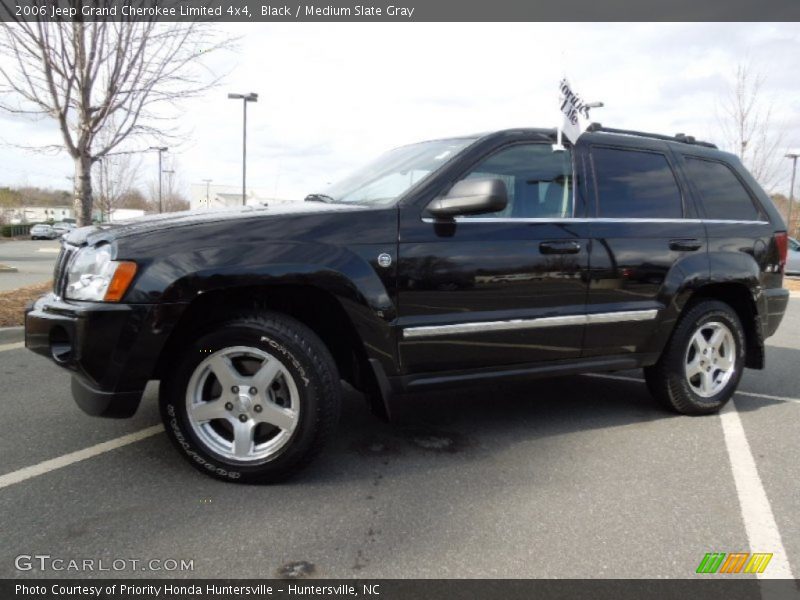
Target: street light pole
point(245, 98)
point(208, 188)
point(793, 156)
point(161, 150)
point(170, 173)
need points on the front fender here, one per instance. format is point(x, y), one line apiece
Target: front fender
point(349, 274)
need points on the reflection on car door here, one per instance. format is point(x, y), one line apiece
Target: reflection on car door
point(497, 289)
point(645, 223)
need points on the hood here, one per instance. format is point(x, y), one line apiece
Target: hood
point(160, 222)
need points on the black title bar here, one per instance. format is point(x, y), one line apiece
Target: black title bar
point(400, 10)
point(395, 589)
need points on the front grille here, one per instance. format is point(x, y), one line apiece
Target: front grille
point(61, 269)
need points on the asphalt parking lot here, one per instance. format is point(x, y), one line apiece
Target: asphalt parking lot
point(32, 259)
point(571, 477)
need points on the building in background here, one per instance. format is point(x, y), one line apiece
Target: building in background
point(118, 214)
point(21, 215)
point(229, 196)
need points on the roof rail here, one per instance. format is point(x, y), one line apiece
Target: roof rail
point(680, 137)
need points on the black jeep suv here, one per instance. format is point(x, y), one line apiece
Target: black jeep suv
point(453, 261)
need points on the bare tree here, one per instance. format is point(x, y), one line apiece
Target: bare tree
point(91, 76)
point(134, 198)
point(176, 202)
point(116, 176)
point(172, 199)
point(746, 117)
point(782, 204)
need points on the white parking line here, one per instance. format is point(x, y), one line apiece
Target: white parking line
point(770, 397)
point(14, 346)
point(77, 456)
point(50, 250)
point(739, 392)
point(759, 522)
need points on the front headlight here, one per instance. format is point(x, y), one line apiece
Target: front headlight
point(94, 276)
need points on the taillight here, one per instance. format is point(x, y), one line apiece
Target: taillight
point(782, 241)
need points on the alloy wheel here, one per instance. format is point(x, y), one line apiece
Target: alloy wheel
point(710, 360)
point(243, 404)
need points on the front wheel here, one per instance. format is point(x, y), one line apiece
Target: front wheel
point(254, 400)
point(702, 364)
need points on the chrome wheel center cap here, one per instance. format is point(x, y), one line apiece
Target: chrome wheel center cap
point(244, 403)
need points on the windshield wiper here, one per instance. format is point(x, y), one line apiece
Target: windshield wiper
point(319, 198)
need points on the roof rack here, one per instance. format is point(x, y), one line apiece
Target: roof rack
point(680, 137)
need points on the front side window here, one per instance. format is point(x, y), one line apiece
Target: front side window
point(721, 192)
point(538, 181)
point(634, 184)
point(384, 180)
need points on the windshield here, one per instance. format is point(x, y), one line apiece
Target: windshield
point(391, 175)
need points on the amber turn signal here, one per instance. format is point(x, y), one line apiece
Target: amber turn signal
point(123, 276)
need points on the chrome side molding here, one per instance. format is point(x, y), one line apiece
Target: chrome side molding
point(425, 331)
point(567, 220)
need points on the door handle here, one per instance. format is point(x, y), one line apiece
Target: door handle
point(685, 245)
point(559, 247)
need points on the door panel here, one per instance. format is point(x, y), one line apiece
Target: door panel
point(644, 230)
point(630, 262)
point(504, 288)
point(485, 274)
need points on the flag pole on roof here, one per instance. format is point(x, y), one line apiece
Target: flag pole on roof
point(575, 113)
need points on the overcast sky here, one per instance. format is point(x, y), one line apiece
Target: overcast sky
point(331, 96)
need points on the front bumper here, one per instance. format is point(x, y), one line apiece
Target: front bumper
point(111, 349)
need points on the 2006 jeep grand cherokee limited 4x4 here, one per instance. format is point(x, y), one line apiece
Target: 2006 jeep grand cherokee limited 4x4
point(447, 262)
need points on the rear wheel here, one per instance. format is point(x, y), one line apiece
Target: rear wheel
point(254, 400)
point(702, 364)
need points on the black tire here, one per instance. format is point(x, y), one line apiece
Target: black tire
point(304, 357)
point(667, 379)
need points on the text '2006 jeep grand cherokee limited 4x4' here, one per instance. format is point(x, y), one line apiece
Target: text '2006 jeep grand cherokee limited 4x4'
point(452, 261)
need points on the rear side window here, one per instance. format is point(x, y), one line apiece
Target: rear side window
point(633, 184)
point(722, 194)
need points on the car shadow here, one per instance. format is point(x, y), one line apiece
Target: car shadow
point(472, 423)
point(451, 451)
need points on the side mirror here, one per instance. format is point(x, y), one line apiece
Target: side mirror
point(471, 197)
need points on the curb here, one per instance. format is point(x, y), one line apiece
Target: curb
point(10, 335)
